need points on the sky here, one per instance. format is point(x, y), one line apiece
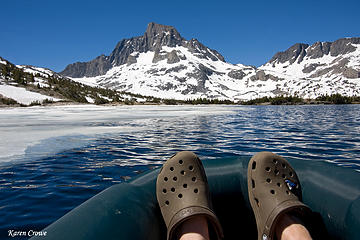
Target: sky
point(53, 34)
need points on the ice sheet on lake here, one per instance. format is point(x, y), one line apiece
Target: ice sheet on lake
point(40, 131)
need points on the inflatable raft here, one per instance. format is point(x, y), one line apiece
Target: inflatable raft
point(129, 210)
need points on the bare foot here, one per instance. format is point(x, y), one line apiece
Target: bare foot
point(291, 228)
point(195, 228)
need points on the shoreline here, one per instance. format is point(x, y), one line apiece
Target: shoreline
point(63, 103)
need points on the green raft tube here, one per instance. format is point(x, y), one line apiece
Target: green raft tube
point(129, 210)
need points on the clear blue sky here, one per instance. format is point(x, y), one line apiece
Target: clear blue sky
point(52, 34)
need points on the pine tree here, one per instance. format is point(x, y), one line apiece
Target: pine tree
point(17, 76)
point(4, 71)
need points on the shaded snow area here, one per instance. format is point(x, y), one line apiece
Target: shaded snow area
point(32, 133)
point(23, 96)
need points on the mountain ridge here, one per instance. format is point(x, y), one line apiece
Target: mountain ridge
point(155, 37)
point(318, 49)
point(161, 63)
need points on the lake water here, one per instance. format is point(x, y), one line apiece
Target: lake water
point(54, 158)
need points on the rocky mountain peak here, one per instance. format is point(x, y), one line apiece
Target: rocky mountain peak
point(126, 51)
point(299, 51)
point(155, 29)
point(295, 52)
point(158, 35)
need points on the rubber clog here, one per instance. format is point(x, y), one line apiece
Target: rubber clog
point(182, 192)
point(274, 189)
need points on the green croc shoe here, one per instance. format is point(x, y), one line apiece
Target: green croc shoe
point(274, 189)
point(182, 192)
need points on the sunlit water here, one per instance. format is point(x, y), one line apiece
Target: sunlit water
point(53, 159)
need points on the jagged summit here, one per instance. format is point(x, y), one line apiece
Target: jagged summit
point(126, 51)
point(299, 51)
point(295, 52)
point(155, 29)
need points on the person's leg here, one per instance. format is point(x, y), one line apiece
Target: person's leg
point(291, 228)
point(195, 228)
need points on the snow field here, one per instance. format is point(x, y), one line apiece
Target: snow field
point(23, 96)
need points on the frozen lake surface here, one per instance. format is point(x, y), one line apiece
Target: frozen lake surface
point(32, 133)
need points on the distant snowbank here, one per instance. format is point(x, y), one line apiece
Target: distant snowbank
point(21, 95)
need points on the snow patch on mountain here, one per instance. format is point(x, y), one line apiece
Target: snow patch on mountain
point(21, 95)
point(36, 70)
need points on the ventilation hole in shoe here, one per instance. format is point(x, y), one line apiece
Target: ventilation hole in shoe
point(272, 191)
point(268, 180)
point(175, 179)
point(291, 174)
point(164, 190)
point(275, 161)
point(165, 179)
point(283, 165)
point(191, 168)
point(268, 169)
point(185, 185)
point(257, 202)
point(167, 202)
point(283, 176)
point(193, 179)
point(196, 190)
point(171, 169)
point(182, 172)
point(276, 172)
point(173, 189)
point(253, 183)
point(253, 165)
point(180, 195)
point(279, 184)
point(181, 161)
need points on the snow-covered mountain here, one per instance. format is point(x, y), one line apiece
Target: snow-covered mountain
point(24, 93)
point(22, 85)
point(162, 63)
point(324, 67)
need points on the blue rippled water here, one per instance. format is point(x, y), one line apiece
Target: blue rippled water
point(59, 173)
